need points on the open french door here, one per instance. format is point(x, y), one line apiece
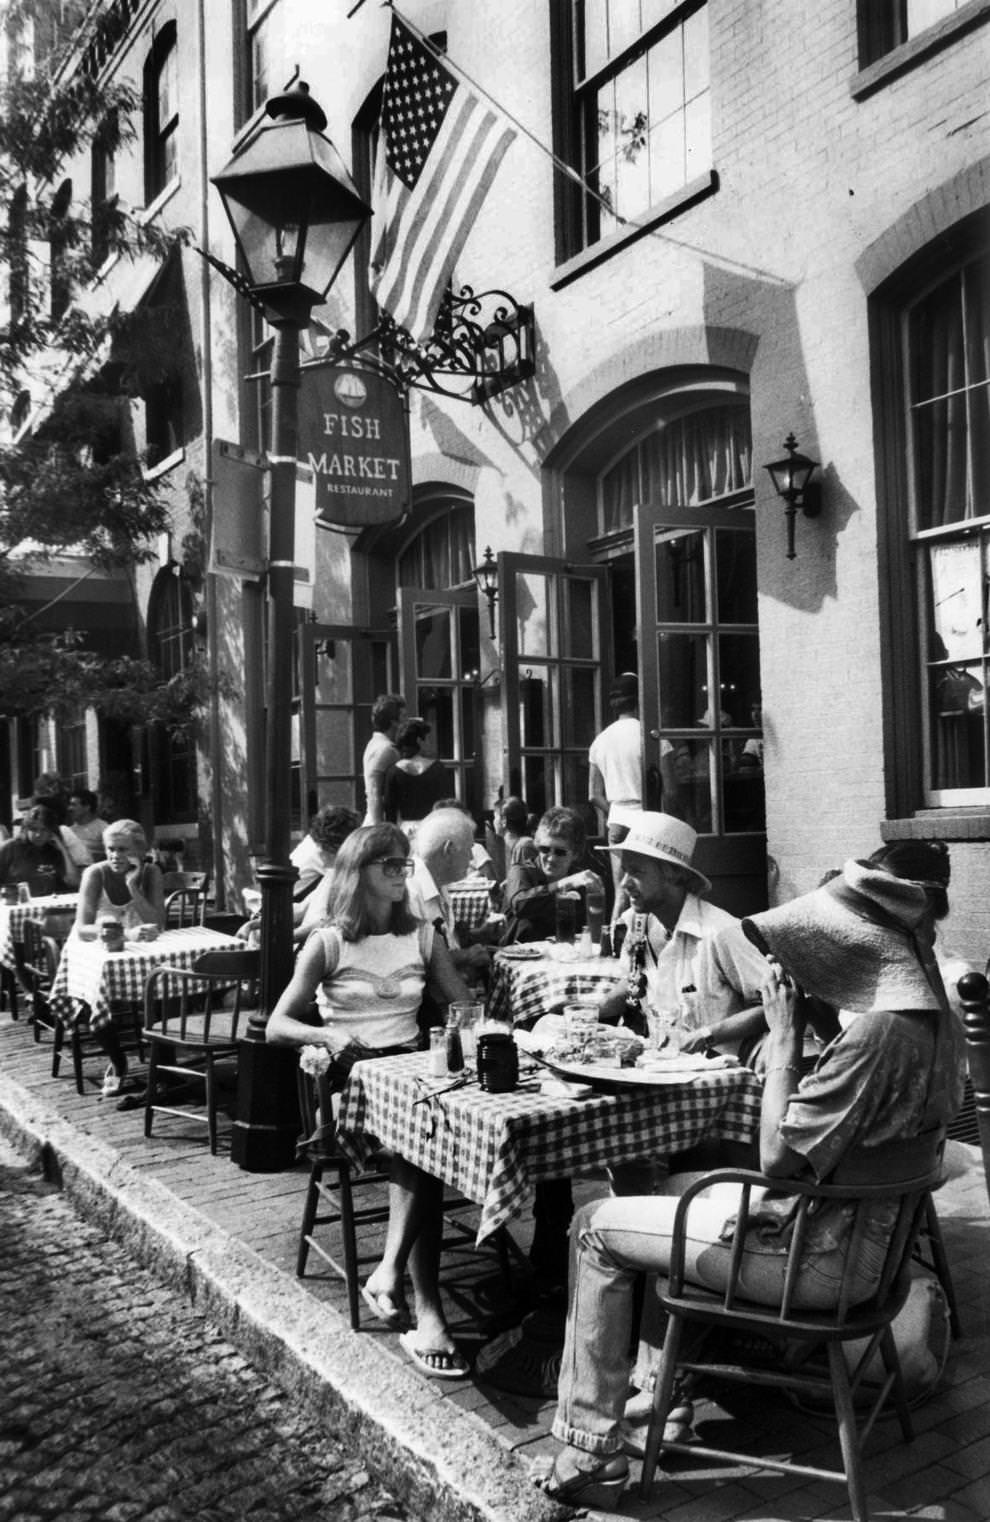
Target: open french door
point(342, 669)
point(556, 660)
point(440, 654)
point(700, 688)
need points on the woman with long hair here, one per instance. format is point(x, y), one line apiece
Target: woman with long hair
point(367, 967)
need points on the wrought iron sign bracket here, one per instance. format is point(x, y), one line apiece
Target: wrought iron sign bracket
point(482, 344)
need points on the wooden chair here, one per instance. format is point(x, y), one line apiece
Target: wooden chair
point(38, 962)
point(802, 1336)
point(332, 1184)
point(332, 1181)
point(974, 994)
point(183, 907)
point(193, 1019)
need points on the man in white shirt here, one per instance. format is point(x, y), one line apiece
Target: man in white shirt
point(664, 891)
point(442, 851)
point(615, 767)
point(380, 753)
point(83, 835)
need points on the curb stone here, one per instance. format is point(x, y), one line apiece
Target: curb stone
point(442, 1461)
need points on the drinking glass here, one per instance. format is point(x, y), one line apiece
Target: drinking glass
point(468, 1016)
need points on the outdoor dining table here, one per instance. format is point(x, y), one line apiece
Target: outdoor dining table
point(90, 975)
point(523, 990)
point(13, 917)
point(493, 1148)
point(470, 901)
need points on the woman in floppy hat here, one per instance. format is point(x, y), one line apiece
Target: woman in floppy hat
point(862, 943)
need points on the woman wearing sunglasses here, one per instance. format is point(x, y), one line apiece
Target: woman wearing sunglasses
point(559, 863)
point(366, 967)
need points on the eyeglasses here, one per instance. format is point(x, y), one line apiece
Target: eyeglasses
point(394, 866)
point(552, 850)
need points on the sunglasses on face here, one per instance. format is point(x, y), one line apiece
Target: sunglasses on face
point(552, 851)
point(394, 866)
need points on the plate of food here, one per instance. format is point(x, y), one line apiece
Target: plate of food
point(627, 1064)
point(520, 953)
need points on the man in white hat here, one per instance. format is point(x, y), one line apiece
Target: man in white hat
point(671, 923)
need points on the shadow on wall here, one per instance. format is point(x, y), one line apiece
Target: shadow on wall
point(781, 403)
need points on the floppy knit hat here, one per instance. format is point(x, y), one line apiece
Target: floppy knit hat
point(851, 942)
point(664, 838)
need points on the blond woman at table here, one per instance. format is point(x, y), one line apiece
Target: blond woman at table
point(367, 968)
point(128, 888)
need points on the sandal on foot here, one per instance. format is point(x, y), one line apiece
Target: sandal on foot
point(599, 1488)
point(394, 1313)
point(435, 1363)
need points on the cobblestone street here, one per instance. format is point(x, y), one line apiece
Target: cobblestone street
point(117, 1402)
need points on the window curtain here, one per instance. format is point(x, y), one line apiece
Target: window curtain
point(692, 460)
point(442, 554)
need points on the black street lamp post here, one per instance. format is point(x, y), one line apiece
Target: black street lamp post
point(295, 215)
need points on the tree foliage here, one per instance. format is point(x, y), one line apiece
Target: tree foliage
point(75, 482)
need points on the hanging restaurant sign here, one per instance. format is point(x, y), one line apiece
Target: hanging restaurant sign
point(354, 437)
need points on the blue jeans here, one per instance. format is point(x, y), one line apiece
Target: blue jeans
point(612, 1241)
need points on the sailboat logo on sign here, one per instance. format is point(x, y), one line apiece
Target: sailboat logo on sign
point(350, 390)
point(354, 437)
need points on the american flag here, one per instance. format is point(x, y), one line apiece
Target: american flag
point(439, 152)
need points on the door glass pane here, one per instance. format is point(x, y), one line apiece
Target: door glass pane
point(739, 678)
point(334, 671)
point(436, 706)
point(743, 802)
point(579, 628)
point(434, 657)
point(683, 666)
point(469, 741)
point(535, 713)
point(467, 628)
point(680, 577)
point(537, 784)
point(575, 790)
point(532, 613)
point(957, 709)
point(685, 779)
point(578, 708)
point(735, 576)
point(334, 744)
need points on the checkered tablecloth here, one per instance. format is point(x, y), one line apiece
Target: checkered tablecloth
point(523, 991)
point(494, 1147)
point(13, 916)
point(95, 979)
point(469, 901)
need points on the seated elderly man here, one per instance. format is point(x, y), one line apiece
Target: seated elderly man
point(665, 953)
point(441, 852)
point(560, 864)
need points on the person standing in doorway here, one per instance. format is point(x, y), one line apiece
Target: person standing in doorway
point(380, 753)
point(615, 776)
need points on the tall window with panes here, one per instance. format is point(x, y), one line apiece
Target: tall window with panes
point(161, 113)
point(946, 339)
point(633, 112)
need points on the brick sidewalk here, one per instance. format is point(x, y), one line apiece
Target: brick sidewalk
point(941, 1477)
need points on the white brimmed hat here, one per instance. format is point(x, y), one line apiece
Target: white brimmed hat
point(664, 838)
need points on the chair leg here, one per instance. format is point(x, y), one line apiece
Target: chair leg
point(845, 1412)
point(309, 1216)
point(58, 1041)
point(77, 1059)
point(940, 1263)
point(348, 1234)
point(663, 1395)
point(150, 1092)
point(209, 1078)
